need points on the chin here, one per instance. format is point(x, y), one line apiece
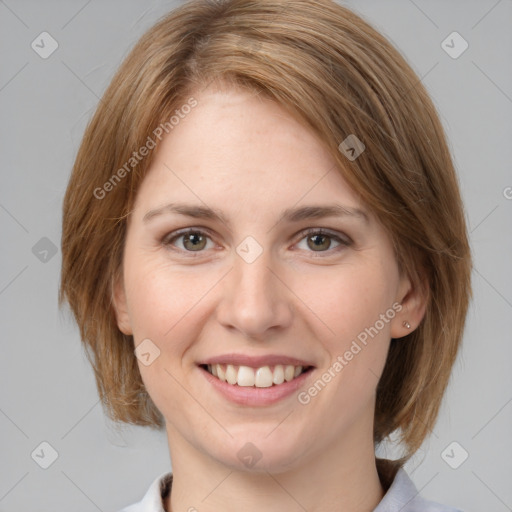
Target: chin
point(260, 453)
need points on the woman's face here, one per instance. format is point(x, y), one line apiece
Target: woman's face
point(266, 279)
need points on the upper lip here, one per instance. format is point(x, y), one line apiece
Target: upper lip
point(255, 361)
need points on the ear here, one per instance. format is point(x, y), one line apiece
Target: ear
point(413, 296)
point(120, 304)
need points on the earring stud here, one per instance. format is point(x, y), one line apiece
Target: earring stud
point(406, 324)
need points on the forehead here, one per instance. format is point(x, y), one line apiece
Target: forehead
point(238, 148)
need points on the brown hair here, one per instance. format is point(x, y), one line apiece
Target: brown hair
point(338, 75)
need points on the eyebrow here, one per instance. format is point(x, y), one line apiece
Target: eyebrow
point(288, 215)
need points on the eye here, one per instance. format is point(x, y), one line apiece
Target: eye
point(192, 240)
point(320, 240)
point(317, 240)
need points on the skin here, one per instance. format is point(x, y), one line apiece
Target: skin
point(246, 156)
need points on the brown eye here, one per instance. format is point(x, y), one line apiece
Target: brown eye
point(191, 241)
point(319, 242)
point(194, 241)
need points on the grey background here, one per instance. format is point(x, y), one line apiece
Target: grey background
point(47, 390)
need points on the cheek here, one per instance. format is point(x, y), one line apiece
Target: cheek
point(350, 299)
point(169, 306)
point(159, 297)
point(356, 307)
point(164, 306)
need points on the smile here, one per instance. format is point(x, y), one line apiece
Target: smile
point(262, 377)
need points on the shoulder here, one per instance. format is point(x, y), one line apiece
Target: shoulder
point(153, 499)
point(403, 496)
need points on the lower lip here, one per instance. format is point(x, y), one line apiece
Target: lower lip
point(253, 396)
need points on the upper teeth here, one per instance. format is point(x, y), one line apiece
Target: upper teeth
point(262, 377)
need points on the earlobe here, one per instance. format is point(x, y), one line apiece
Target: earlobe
point(120, 306)
point(413, 298)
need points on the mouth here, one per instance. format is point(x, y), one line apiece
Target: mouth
point(261, 377)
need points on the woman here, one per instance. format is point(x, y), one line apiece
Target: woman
point(264, 247)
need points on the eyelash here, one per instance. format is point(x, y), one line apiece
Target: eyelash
point(168, 240)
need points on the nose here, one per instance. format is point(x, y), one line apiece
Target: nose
point(255, 299)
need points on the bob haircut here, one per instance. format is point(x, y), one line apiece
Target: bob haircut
point(335, 73)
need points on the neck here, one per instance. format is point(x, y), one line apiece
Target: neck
point(344, 477)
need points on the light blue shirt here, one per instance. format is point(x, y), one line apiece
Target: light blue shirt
point(402, 496)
